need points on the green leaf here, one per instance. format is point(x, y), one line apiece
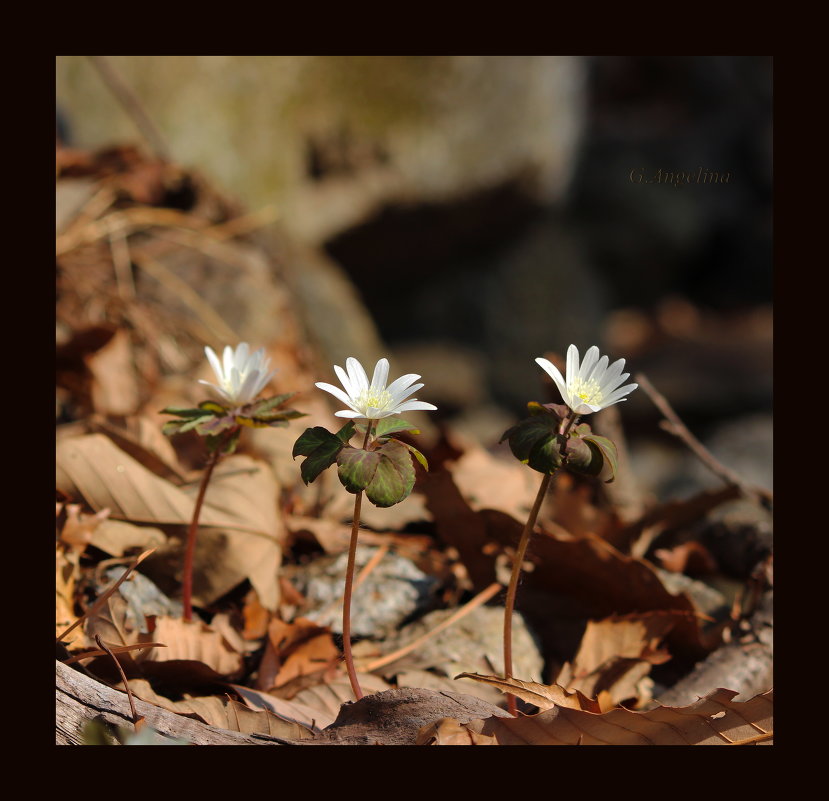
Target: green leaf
point(212, 406)
point(213, 426)
point(321, 448)
point(390, 425)
point(545, 455)
point(172, 427)
point(530, 433)
point(416, 453)
point(394, 477)
point(196, 422)
point(262, 407)
point(182, 412)
point(276, 416)
point(608, 449)
point(584, 457)
point(356, 467)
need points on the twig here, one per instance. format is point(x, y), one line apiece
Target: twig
point(673, 425)
point(121, 262)
point(753, 740)
point(93, 610)
point(137, 720)
point(481, 598)
point(117, 649)
point(132, 105)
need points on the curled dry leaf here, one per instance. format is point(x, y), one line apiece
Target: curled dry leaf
point(327, 698)
point(713, 720)
point(296, 651)
point(616, 655)
point(226, 713)
point(543, 696)
point(313, 717)
point(448, 731)
point(192, 642)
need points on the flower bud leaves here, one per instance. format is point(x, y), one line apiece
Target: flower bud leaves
point(211, 419)
point(536, 442)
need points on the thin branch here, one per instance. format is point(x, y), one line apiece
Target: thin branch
point(673, 425)
point(132, 105)
point(93, 610)
point(137, 720)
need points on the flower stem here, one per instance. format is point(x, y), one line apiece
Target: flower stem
point(187, 579)
point(563, 431)
point(513, 585)
point(349, 584)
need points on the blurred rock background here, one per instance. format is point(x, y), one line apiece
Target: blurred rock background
point(464, 214)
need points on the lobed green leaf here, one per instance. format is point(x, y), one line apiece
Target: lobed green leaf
point(394, 477)
point(321, 448)
point(356, 467)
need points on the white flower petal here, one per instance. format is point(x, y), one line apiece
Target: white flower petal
point(620, 393)
point(348, 413)
point(411, 405)
point(399, 385)
point(241, 359)
point(403, 395)
point(598, 370)
point(247, 392)
point(344, 379)
point(336, 392)
point(609, 386)
point(572, 366)
point(553, 372)
point(359, 379)
point(590, 359)
point(214, 362)
point(227, 362)
point(612, 374)
point(381, 375)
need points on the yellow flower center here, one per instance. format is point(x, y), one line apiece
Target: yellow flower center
point(588, 391)
point(374, 398)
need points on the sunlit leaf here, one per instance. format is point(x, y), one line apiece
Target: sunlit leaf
point(356, 467)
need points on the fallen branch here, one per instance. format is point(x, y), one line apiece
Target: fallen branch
point(80, 700)
point(673, 425)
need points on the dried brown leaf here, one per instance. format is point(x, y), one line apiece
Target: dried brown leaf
point(327, 698)
point(191, 642)
point(94, 468)
point(225, 713)
point(541, 695)
point(240, 509)
point(114, 381)
point(296, 650)
point(713, 720)
point(616, 655)
point(448, 731)
point(313, 717)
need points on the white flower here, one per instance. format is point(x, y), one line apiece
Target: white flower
point(592, 385)
point(374, 400)
point(242, 376)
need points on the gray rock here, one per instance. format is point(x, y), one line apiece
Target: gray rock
point(394, 589)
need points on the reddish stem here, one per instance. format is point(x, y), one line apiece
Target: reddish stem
point(349, 585)
point(187, 579)
point(513, 585)
point(512, 590)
